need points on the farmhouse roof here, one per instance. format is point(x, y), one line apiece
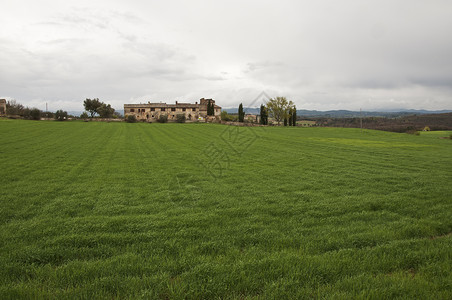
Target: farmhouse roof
point(165, 105)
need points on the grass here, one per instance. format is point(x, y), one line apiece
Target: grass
point(158, 211)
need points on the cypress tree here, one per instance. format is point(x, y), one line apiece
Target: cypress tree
point(210, 109)
point(285, 121)
point(266, 116)
point(290, 116)
point(262, 113)
point(294, 116)
point(241, 113)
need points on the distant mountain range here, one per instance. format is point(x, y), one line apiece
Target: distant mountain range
point(349, 113)
point(330, 113)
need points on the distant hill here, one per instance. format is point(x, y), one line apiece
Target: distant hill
point(408, 123)
point(329, 113)
point(348, 113)
point(79, 112)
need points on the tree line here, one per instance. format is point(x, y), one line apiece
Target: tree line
point(13, 108)
point(410, 123)
point(279, 108)
point(92, 106)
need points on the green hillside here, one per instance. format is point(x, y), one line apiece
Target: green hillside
point(170, 211)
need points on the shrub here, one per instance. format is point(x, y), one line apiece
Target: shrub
point(61, 115)
point(131, 119)
point(180, 118)
point(32, 114)
point(413, 131)
point(450, 137)
point(84, 115)
point(162, 119)
point(426, 128)
point(225, 116)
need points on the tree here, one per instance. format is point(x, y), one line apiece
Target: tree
point(225, 116)
point(14, 108)
point(262, 114)
point(285, 121)
point(289, 117)
point(61, 115)
point(105, 111)
point(84, 115)
point(210, 109)
point(265, 115)
point(241, 113)
point(294, 116)
point(279, 108)
point(92, 105)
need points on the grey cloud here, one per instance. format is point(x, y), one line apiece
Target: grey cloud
point(320, 54)
point(253, 66)
point(445, 82)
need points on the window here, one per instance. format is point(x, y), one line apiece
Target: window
point(183, 109)
point(132, 110)
point(152, 109)
point(162, 109)
point(194, 109)
point(173, 109)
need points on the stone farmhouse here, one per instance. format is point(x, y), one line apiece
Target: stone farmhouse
point(2, 107)
point(152, 111)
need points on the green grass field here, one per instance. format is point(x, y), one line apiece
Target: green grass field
point(170, 211)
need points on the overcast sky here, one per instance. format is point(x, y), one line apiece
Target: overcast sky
point(320, 54)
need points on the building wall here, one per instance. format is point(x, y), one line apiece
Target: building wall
point(2, 107)
point(152, 111)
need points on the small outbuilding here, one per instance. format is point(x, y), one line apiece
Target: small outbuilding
point(2, 107)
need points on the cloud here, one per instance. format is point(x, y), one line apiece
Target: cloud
point(321, 55)
point(253, 66)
